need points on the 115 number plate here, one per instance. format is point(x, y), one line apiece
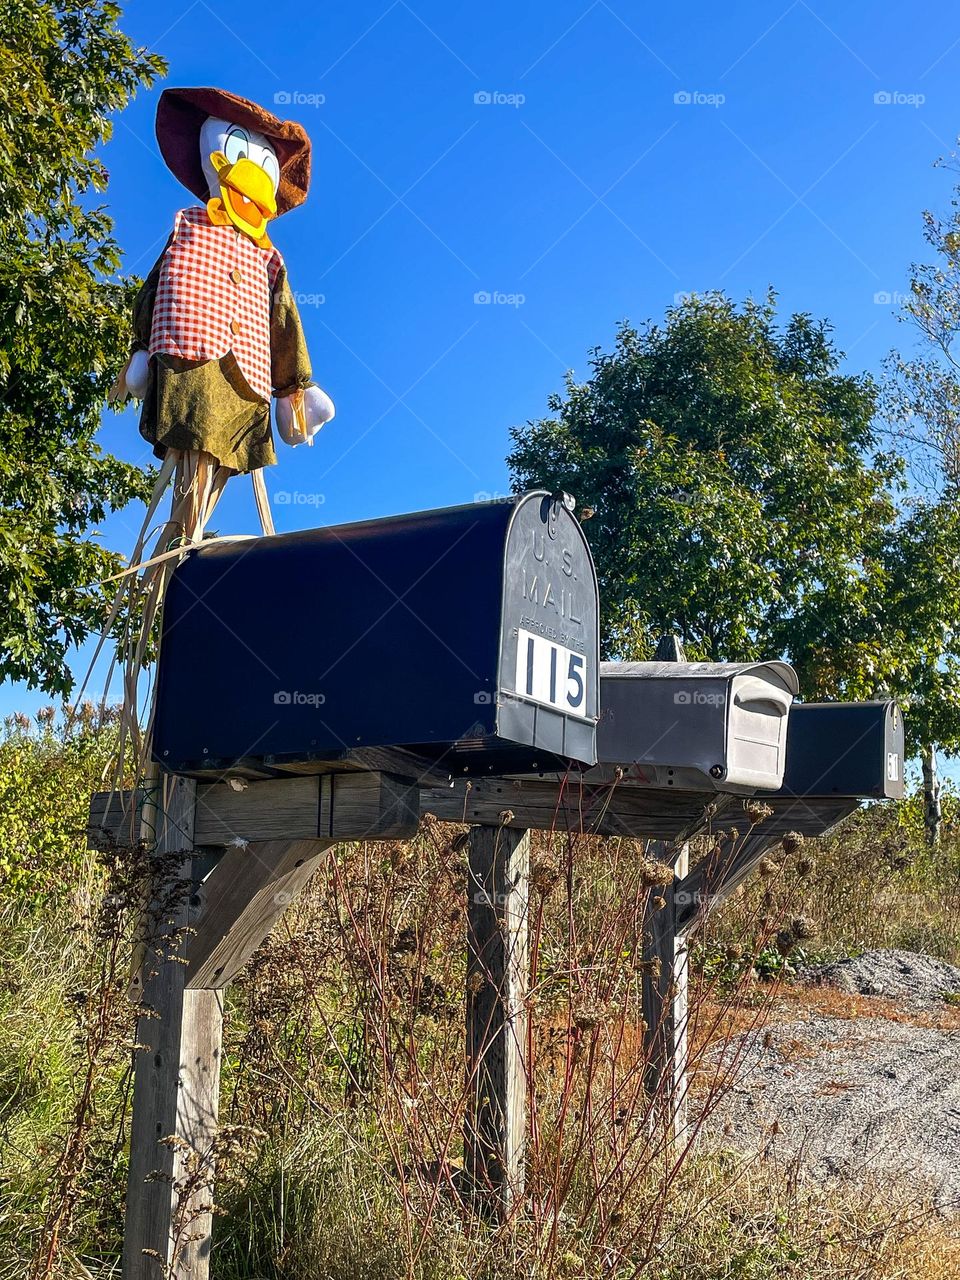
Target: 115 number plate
point(552, 674)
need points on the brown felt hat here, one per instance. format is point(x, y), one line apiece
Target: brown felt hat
point(180, 117)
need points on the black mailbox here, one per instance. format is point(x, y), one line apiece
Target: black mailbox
point(851, 749)
point(465, 638)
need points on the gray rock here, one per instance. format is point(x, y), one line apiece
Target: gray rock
point(913, 979)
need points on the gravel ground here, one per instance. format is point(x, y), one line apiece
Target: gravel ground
point(853, 1097)
point(915, 980)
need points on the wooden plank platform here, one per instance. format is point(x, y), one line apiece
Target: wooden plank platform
point(574, 804)
point(341, 806)
point(381, 806)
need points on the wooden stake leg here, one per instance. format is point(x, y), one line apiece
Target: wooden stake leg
point(665, 1001)
point(176, 1089)
point(203, 934)
point(497, 977)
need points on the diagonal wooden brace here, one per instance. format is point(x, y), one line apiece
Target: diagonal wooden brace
point(241, 900)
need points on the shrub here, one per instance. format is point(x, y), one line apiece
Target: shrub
point(48, 770)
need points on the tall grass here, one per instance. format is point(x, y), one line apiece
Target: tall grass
point(344, 1088)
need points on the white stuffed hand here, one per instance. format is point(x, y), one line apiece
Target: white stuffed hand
point(134, 379)
point(299, 419)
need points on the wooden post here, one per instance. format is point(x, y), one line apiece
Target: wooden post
point(665, 999)
point(665, 977)
point(497, 978)
point(176, 1088)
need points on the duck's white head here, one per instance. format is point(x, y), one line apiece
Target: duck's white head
point(243, 173)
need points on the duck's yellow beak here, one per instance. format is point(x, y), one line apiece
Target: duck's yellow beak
point(246, 196)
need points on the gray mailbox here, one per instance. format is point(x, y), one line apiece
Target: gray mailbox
point(696, 725)
point(464, 639)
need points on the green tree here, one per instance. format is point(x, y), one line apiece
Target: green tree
point(64, 66)
point(921, 402)
point(742, 502)
point(726, 465)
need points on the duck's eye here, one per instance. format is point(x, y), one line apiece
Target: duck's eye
point(236, 145)
point(271, 167)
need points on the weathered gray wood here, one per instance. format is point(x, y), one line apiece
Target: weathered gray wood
point(241, 900)
point(714, 878)
point(357, 806)
point(277, 809)
point(669, 649)
point(198, 1097)
point(932, 808)
point(292, 808)
point(497, 978)
point(176, 1084)
point(353, 805)
point(615, 809)
point(665, 998)
point(112, 817)
point(289, 810)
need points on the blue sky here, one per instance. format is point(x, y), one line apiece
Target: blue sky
point(577, 162)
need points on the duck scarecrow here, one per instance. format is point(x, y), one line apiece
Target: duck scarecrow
point(216, 335)
point(216, 327)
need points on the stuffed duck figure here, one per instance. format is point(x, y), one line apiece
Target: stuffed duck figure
point(216, 336)
point(216, 327)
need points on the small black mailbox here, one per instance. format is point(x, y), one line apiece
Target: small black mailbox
point(465, 638)
point(850, 749)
